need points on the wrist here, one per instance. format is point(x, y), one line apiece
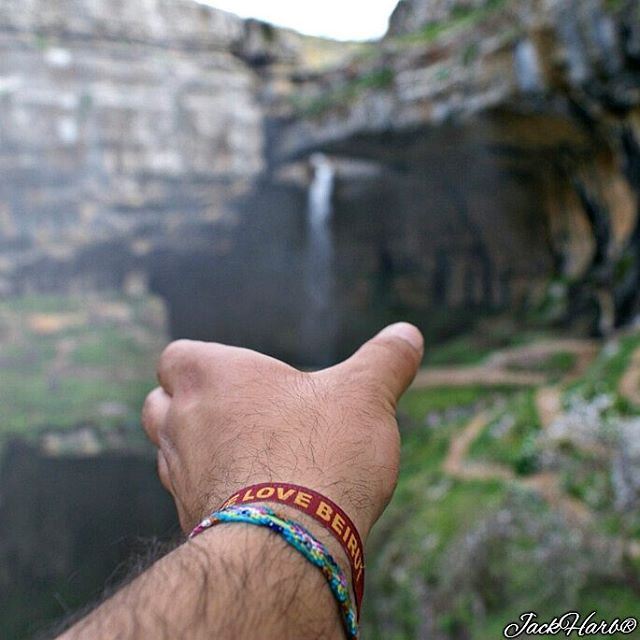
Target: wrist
point(319, 510)
point(276, 588)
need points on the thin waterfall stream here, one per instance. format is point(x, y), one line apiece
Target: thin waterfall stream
point(318, 322)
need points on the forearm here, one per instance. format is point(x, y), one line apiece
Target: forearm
point(229, 582)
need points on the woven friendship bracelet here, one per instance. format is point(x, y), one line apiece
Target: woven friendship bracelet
point(301, 540)
point(321, 509)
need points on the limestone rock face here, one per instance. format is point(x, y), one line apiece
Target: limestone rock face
point(121, 123)
point(134, 152)
point(189, 24)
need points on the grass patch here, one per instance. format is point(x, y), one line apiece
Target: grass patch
point(424, 450)
point(609, 600)
point(472, 347)
point(317, 105)
point(605, 372)
point(532, 559)
point(467, 349)
point(418, 403)
point(110, 346)
point(406, 546)
point(95, 370)
point(461, 18)
point(470, 53)
point(554, 366)
point(511, 437)
point(614, 6)
point(586, 476)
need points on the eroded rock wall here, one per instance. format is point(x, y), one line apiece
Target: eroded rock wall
point(525, 114)
point(121, 125)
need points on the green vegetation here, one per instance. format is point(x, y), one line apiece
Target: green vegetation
point(460, 350)
point(444, 559)
point(585, 476)
point(455, 555)
point(614, 5)
point(511, 437)
point(470, 53)
point(107, 348)
point(85, 104)
point(473, 346)
point(320, 54)
point(551, 306)
point(418, 404)
point(41, 41)
point(406, 548)
point(461, 18)
point(618, 600)
point(71, 361)
point(554, 366)
point(461, 554)
point(335, 97)
point(604, 374)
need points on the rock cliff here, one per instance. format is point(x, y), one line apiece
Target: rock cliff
point(134, 145)
point(485, 156)
point(121, 125)
point(509, 137)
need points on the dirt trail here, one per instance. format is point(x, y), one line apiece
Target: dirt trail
point(456, 463)
point(546, 484)
point(583, 350)
point(548, 404)
point(549, 486)
point(64, 349)
point(496, 370)
point(548, 401)
point(484, 375)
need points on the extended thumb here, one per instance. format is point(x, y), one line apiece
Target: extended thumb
point(391, 357)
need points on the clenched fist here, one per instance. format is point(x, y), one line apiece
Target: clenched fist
point(225, 417)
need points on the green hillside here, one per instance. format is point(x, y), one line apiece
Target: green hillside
point(78, 361)
point(513, 498)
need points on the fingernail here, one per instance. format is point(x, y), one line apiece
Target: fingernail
point(406, 332)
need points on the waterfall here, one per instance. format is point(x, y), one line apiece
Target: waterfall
point(320, 193)
point(527, 67)
point(318, 322)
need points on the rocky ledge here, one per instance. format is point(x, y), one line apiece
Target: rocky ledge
point(512, 130)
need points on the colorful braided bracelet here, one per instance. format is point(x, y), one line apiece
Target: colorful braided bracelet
point(301, 540)
point(317, 506)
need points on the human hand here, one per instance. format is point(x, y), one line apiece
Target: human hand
point(225, 417)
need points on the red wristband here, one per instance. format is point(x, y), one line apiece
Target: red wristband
point(321, 509)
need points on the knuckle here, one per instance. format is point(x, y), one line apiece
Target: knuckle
point(181, 365)
point(147, 410)
point(163, 471)
point(176, 351)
